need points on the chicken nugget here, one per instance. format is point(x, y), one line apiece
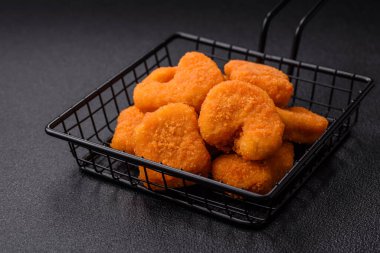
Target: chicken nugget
point(252, 176)
point(255, 176)
point(126, 123)
point(272, 80)
point(301, 125)
point(188, 83)
point(170, 135)
point(240, 116)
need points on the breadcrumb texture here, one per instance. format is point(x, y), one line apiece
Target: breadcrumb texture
point(301, 125)
point(170, 135)
point(188, 83)
point(127, 121)
point(240, 116)
point(272, 80)
point(255, 176)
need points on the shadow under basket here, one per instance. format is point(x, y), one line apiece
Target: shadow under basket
point(88, 127)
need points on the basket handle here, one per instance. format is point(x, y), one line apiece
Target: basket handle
point(298, 32)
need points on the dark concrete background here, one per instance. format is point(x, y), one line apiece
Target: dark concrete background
point(53, 54)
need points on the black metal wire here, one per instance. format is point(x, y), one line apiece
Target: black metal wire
point(303, 22)
point(299, 30)
point(297, 34)
point(266, 23)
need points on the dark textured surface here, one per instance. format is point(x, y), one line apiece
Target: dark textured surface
point(51, 55)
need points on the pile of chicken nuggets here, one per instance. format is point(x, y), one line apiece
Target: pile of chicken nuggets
point(183, 114)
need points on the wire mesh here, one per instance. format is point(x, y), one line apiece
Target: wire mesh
point(88, 127)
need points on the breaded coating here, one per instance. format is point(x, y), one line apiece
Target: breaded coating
point(170, 135)
point(301, 125)
point(282, 161)
point(272, 80)
point(188, 83)
point(161, 75)
point(255, 176)
point(241, 116)
point(126, 123)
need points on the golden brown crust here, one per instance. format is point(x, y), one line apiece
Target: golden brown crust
point(233, 170)
point(241, 116)
point(161, 75)
point(126, 123)
point(188, 83)
point(170, 135)
point(255, 176)
point(302, 125)
point(282, 161)
point(273, 81)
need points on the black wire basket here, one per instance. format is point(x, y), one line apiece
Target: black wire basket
point(88, 126)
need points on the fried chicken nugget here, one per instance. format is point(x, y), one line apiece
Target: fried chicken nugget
point(188, 83)
point(301, 125)
point(241, 116)
point(170, 135)
point(255, 176)
point(127, 121)
point(272, 80)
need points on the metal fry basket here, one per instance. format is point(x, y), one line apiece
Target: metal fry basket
point(88, 125)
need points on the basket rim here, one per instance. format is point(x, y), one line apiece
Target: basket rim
point(280, 186)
